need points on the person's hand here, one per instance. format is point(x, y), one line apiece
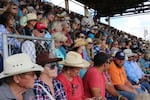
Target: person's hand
point(123, 98)
point(96, 98)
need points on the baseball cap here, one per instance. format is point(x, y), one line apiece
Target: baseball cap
point(120, 55)
point(40, 26)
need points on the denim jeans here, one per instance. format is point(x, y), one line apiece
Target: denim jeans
point(130, 95)
point(127, 94)
point(112, 98)
point(1, 63)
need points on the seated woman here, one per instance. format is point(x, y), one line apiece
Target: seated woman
point(72, 83)
point(46, 86)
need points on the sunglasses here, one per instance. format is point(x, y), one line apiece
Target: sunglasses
point(108, 62)
point(82, 36)
point(52, 66)
point(41, 31)
point(14, 8)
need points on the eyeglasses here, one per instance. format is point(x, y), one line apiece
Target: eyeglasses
point(30, 74)
point(52, 66)
point(82, 37)
point(14, 8)
point(108, 62)
point(90, 43)
point(61, 42)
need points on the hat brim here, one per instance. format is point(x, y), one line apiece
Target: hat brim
point(80, 44)
point(50, 60)
point(131, 54)
point(35, 67)
point(84, 64)
point(32, 20)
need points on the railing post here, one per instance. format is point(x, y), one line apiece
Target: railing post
point(5, 47)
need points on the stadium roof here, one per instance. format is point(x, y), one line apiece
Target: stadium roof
point(114, 8)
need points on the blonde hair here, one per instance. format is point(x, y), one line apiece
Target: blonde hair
point(44, 21)
point(58, 36)
point(57, 26)
point(144, 96)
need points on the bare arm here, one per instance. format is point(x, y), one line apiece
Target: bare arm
point(110, 88)
point(95, 92)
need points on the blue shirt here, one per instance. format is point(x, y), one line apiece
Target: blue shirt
point(11, 41)
point(97, 49)
point(130, 72)
point(139, 73)
point(144, 63)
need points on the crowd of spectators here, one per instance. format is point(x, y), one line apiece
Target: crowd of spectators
point(87, 47)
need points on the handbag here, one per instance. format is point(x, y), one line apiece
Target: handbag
point(49, 95)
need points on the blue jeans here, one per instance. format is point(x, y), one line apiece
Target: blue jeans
point(112, 98)
point(146, 85)
point(1, 63)
point(127, 94)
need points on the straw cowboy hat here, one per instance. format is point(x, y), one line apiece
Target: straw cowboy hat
point(31, 16)
point(89, 40)
point(17, 64)
point(74, 59)
point(79, 42)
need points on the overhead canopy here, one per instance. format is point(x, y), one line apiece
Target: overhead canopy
point(117, 7)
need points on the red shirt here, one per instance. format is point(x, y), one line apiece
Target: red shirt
point(94, 79)
point(74, 89)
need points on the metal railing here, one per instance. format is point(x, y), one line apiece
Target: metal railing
point(7, 47)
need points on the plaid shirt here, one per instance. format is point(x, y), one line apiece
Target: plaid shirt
point(97, 49)
point(41, 94)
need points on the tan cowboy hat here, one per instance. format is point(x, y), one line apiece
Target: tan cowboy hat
point(74, 59)
point(31, 16)
point(79, 42)
point(18, 64)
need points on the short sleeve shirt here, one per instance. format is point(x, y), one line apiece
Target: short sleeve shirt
point(118, 75)
point(74, 88)
point(94, 79)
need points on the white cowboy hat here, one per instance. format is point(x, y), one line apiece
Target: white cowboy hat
point(74, 59)
point(18, 64)
point(129, 53)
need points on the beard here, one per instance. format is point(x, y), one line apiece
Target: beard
point(118, 65)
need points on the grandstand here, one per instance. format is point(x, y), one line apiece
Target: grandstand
point(47, 32)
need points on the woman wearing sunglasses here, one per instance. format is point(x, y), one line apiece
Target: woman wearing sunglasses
point(46, 87)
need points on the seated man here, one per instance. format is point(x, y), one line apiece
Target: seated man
point(94, 80)
point(134, 72)
point(118, 77)
point(18, 76)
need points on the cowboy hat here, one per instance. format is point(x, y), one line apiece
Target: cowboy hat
point(129, 53)
point(74, 59)
point(79, 42)
point(44, 58)
point(18, 64)
point(31, 17)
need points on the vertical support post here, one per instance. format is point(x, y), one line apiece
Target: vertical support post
point(86, 12)
point(67, 5)
point(5, 47)
point(108, 20)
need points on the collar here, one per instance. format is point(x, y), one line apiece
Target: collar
point(7, 93)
